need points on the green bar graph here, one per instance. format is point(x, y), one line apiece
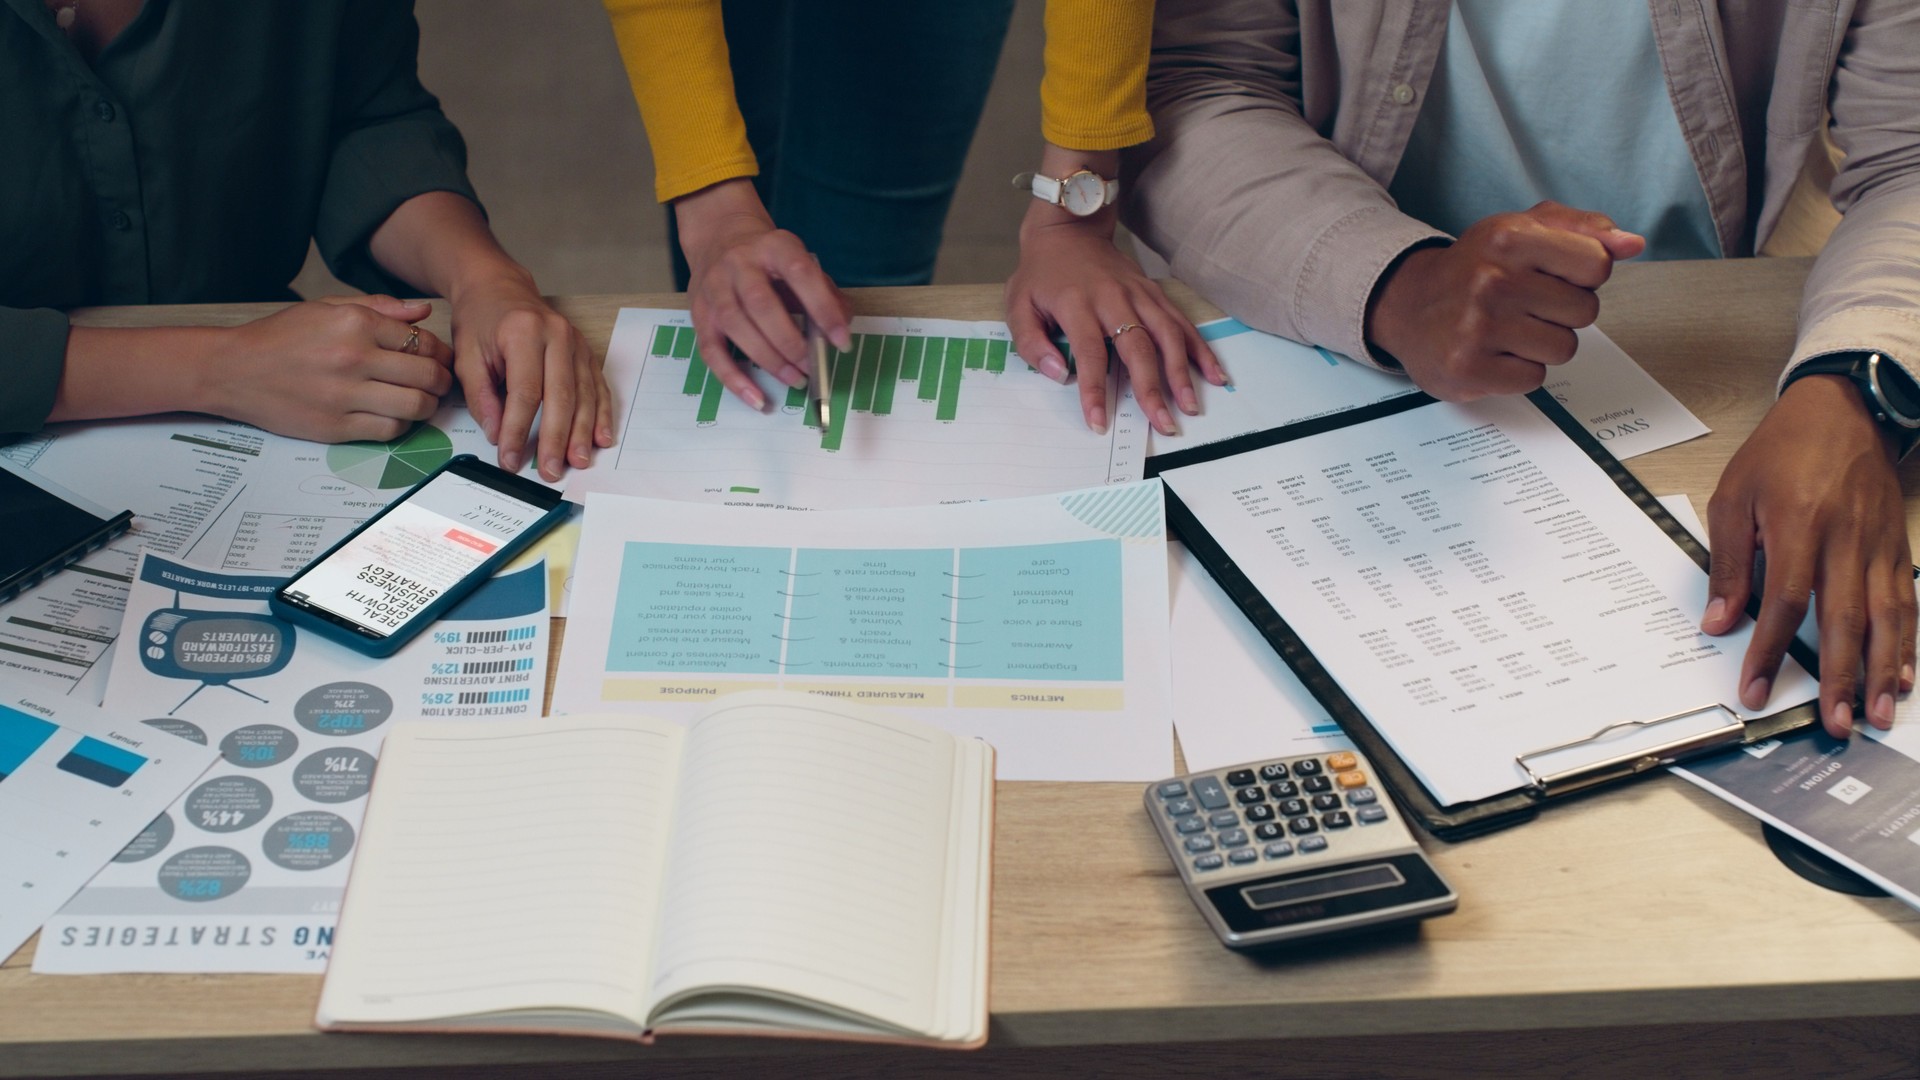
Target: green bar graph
point(696, 380)
point(930, 369)
point(881, 370)
point(949, 402)
point(867, 371)
point(710, 398)
point(889, 375)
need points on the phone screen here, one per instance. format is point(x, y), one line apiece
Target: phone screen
point(411, 555)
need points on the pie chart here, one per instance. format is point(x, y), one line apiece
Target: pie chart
point(401, 463)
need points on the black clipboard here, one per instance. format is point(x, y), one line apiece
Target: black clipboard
point(1458, 821)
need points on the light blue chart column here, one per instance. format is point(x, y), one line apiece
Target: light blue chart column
point(1041, 611)
point(698, 608)
point(867, 613)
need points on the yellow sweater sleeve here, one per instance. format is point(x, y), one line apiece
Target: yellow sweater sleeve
point(675, 52)
point(1094, 93)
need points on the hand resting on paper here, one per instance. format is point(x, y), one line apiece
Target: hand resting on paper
point(1814, 488)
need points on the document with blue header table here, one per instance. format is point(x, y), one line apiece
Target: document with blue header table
point(1038, 624)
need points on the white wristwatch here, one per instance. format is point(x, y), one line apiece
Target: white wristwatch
point(1079, 194)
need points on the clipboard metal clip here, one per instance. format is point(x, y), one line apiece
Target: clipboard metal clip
point(1633, 761)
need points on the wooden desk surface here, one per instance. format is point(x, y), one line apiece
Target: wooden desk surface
point(1652, 907)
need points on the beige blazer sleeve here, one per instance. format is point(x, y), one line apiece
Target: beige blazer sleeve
point(1247, 201)
point(1864, 292)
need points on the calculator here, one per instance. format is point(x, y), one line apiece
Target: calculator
point(1294, 848)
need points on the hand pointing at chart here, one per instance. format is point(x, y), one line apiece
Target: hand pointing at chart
point(748, 277)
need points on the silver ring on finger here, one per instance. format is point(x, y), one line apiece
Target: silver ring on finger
point(412, 344)
point(1123, 328)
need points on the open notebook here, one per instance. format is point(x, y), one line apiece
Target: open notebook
point(783, 865)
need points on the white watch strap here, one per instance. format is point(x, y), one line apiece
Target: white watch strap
point(1049, 190)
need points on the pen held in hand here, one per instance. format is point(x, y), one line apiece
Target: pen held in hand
point(820, 381)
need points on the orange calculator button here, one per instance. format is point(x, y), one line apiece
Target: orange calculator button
point(1352, 778)
point(1342, 761)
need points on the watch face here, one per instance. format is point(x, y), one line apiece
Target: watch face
point(1083, 194)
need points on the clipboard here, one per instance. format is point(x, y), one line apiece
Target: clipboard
point(1458, 821)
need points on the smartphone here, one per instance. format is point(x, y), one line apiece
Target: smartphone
point(406, 565)
point(47, 527)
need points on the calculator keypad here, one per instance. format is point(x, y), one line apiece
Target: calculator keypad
point(1279, 810)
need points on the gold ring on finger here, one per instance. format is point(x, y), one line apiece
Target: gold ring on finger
point(412, 344)
point(1123, 328)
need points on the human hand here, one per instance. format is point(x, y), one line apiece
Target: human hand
point(747, 275)
point(1072, 276)
point(332, 370)
point(1814, 488)
point(1489, 313)
point(506, 337)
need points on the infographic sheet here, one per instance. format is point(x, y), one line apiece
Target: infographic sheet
point(216, 493)
point(78, 787)
point(1038, 624)
point(1276, 382)
point(245, 872)
point(922, 411)
point(1480, 588)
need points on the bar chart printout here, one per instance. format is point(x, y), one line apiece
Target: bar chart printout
point(78, 788)
point(921, 411)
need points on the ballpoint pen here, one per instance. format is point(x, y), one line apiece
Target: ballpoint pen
point(820, 381)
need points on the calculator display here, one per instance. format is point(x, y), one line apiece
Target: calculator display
point(1324, 886)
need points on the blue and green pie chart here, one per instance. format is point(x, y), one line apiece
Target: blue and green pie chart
point(401, 463)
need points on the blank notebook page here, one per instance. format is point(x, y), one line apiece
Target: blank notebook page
point(809, 859)
point(506, 865)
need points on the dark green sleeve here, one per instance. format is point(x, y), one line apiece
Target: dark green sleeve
point(391, 142)
point(30, 366)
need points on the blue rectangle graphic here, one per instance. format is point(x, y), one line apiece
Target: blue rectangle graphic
point(102, 763)
point(20, 736)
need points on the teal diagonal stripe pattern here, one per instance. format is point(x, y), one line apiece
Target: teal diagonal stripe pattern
point(1129, 510)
